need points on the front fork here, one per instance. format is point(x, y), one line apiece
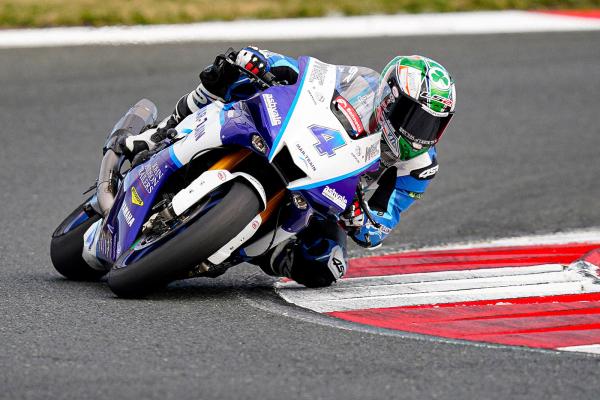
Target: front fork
point(229, 163)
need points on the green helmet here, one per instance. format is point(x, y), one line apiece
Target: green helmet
point(414, 104)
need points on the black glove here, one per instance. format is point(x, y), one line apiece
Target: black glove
point(217, 78)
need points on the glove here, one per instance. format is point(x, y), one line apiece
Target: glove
point(370, 235)
point(252, 59)
point(220, 75)
point(353, 217)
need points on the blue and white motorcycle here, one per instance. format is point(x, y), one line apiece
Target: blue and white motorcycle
point(235, 180)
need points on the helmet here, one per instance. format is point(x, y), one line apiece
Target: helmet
point(415, 101)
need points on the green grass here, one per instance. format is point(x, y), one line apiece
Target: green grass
point(41, 13)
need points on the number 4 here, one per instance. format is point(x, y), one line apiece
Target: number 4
point(329, 140)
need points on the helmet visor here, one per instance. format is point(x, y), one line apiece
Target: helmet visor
point(410, 120)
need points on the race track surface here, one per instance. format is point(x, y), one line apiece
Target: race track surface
point(521, 157)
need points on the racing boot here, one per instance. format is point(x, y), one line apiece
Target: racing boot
point(316, 258)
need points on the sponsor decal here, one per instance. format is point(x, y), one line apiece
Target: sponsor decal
point(427, 172)
point(430, 172)
point(438, 98)
point(415, 195)
point(199, 131)
point(350, 114)
point(149, 177)
point(222, 176)
point(371, 152)
point(255, 225)
point(201, 124)
point(385, 229)
point(367, 99)
point(305, 158)
point(339, 264)
point(272, 110)
point(395, 91)
point(356, 153)
point(410, 137)
point(391, 140)
point(316, 97)
point(201, 115)
point(135, 197)
point(318, 73)
point(127, 214)
point(105, 243)
point(335, 197)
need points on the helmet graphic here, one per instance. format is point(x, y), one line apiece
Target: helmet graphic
point(414, 104)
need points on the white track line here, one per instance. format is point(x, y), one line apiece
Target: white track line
point(466, 23)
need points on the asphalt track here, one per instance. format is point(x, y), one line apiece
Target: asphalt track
point(520, 158)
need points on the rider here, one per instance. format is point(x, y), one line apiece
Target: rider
point(411, 103)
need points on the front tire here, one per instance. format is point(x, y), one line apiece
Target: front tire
point(66, 247)
point(181, 252)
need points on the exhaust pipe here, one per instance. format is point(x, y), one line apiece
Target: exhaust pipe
point(141, 115)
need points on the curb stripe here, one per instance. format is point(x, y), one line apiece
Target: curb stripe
point(444, 260)
point(554, 305)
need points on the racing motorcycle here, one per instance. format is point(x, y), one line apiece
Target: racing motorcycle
point(231, 182)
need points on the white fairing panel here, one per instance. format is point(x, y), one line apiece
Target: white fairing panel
point(200, 130)
point(208, 182)
point(90, 240)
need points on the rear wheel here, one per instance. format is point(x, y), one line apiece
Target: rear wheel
point(187, 247)
point(66, 247)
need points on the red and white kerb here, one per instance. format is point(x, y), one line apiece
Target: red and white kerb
point(525, 295)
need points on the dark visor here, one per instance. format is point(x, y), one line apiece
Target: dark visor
point(410, 120)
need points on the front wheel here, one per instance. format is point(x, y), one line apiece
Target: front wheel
point(189, 247)
point(66, 247)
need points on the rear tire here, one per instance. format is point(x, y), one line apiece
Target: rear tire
point(66, 249)
point(181, 252)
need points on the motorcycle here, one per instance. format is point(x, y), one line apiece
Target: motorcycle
point(231, 182)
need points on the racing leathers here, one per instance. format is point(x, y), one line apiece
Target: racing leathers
point(317, 255)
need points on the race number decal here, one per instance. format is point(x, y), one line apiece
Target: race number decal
point(329, 140)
